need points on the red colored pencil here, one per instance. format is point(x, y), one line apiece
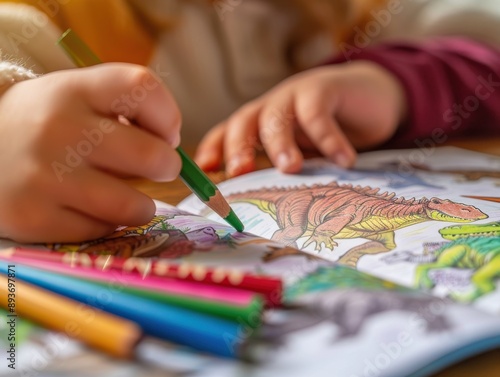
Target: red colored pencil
point(270, 287)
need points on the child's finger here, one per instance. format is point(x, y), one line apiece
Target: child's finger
point(210, 152)
point(104, 198)
point(276, 131)
point(315, 115)
point(129, 150)
point(66, 225)
point(137, 94)
point(241, 139)
point(74, 226)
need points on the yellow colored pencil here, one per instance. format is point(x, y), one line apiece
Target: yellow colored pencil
point(97, 329)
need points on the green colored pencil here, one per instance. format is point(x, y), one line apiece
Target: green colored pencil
point(248, 314)
point(197, 181)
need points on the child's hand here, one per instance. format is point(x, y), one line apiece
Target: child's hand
point(63, 149)
point(332, 110)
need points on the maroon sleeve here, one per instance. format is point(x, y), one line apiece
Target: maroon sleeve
point(452, 86)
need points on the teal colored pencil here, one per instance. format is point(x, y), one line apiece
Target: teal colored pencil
point(197, 181)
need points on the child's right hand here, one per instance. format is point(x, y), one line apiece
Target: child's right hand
point(63, 151)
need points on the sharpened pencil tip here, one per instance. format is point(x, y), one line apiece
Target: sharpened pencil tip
point(234, 221)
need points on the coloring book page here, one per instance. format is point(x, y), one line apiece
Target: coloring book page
point(428, 220)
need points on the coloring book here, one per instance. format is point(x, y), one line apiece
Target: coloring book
point(390, 269)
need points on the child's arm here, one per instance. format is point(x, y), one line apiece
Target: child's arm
point(391, 95)
point(64, 149)
point(452, 88)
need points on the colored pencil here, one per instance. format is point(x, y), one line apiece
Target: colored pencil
point(229, 303)
point(270, 287)
point(486, 198)
point(199, 331)
point(103, 331)
point(197, 181)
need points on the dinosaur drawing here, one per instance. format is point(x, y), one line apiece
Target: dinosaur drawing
point(427, 256)
point(157, 238)
point(325, 212)
point(472, 246)
point(349, 299)
point(350, 309)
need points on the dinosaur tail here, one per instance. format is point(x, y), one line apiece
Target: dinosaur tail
point(263, 199)
point(352, 257)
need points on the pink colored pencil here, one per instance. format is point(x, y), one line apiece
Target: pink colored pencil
point(175, 287)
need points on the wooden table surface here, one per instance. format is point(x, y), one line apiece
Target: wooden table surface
point(484, 365)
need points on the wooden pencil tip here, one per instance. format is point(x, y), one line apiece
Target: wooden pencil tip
point(220, 206)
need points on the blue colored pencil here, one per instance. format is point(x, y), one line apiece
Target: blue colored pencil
point(185, 327)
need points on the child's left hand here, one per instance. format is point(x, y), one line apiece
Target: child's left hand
point(333, 110)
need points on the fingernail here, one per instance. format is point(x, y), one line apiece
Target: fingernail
point(175, 140)
point(283, 161)
point(239, 164)
point(233, 165)
point(342, 160)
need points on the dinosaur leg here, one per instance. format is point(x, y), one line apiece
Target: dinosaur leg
point(329, 224)
point(448, 258)
point(380, 243)
point(483, 281)
point(288, 236)
point(326, 231)
point(291, 215)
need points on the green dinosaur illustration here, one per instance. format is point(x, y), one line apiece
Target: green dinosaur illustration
point(475, 247)
point(325, 212)
point(454, 232)
point(338, 277)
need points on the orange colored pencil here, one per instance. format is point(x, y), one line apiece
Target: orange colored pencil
point(105, 332)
